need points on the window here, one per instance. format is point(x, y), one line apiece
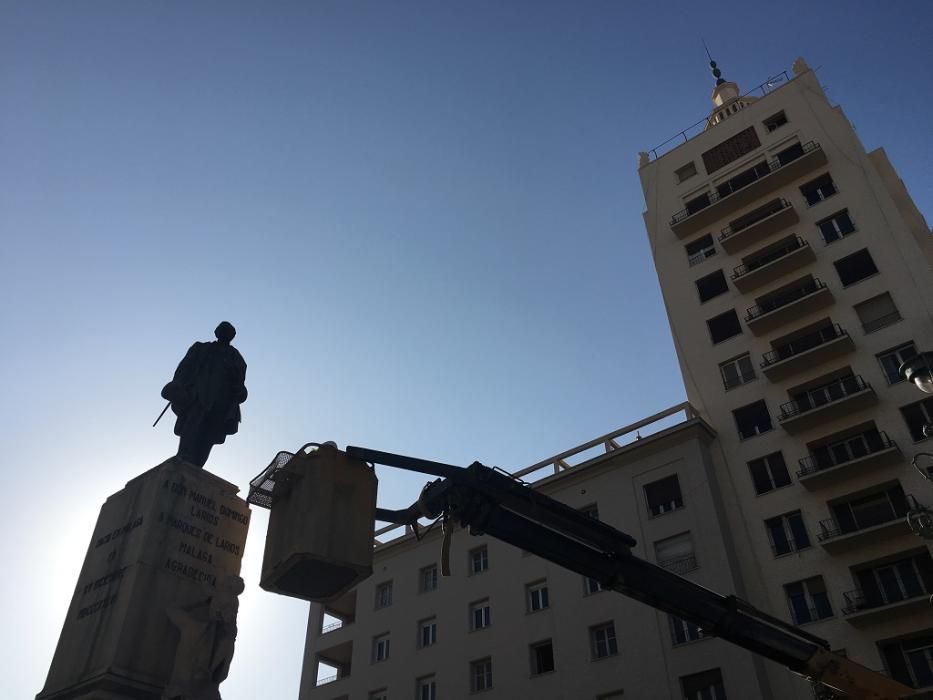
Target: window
point(603, 641)
point(663, 495)
point(808, 600)
point(819, 189)
point(856, 267)
point(769, 473)
point(591, 511)
point(700, 249)
point(775, 121)
point(836, 226)
point(712, 286)
point(685, 172)
point(537, 596)
point(752, 420)
point(787, 533)
point(724, 326)
point(384, 595)
point(427, 578)
point(676, 553)
point(542, 658)
point(910, 660)
point(704, 686)
point(481, 675)
point(591, 585)
point(743, 179)
point(877, 312)
point(380, 648)
point(731, 149)
point(427, 632)
point(891, 360)
point(891, 582)
point(426, 688)
point(887, 503)
point(479, 615)
point(381, 694)
point(683, 631)
point(917, 416)
point(479, 560)
point(737, 371)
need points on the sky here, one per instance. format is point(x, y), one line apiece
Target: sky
point(424, 219)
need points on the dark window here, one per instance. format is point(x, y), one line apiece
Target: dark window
point(703, 686)
point(537, 596)
point(775, 121)
point(542, 657)
point(591, 585)
point(427, 632)
point(712, 286)
point(697, 203)
point(891, 582)
point(808, 600)
point(591, 511)
point(789, 155)
point(910, 661)
point(917, 416)
point(686, 172)
point(603, 641)
point(479, 615)
point(836, 226)
point(384, 595)
point(877, 312)
point(731, 149)
point(481, 675)
point(855, 267)
point(663, 496)
point(683, 631)
point(752, 419)
point(819, 189)
point(737, 371)
point(427, 688)
point(427, 578)
point(769, 472)
point(892, 359)
point(876, 508)
point(724, 326)
point(700, 249)
point(479, 560)
point(787, 533)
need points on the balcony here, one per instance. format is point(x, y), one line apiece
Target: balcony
point(757, 225)
point(874, 524)
point(680, 565)
point(862, 608)
point(816, 406)
point(787, 305)
point(806, 351)
point(748, 186)
point(333, 664)
point(847, 458)
point(772, 265)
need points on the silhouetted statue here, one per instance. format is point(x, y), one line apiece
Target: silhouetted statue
point(206, 393)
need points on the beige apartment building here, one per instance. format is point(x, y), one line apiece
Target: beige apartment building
point(796, 273)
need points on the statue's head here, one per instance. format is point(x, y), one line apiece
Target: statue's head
point(225, 332)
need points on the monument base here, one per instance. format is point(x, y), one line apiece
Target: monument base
point(154, 611)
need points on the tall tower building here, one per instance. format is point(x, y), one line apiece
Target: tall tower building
point(796, 274)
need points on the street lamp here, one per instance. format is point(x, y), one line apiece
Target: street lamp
point(919, 370)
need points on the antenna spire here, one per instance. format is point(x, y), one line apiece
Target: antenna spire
point(712, 66)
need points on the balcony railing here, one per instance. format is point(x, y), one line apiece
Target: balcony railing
point(328, 679)
point(700, 256)
point(769, 257)
point(783, 299)
point(858, 601)
point(332, 626)
point(803, 344)
point(771, 166)
point(752, 218)
point(883, 512)
point(845, 451)
point(821, 396)
point(680, 565)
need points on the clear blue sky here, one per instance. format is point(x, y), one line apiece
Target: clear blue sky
point(424, 219)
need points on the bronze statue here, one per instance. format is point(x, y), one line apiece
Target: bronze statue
point(206, 393)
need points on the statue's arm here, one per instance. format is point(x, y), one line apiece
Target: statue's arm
point(184, 375)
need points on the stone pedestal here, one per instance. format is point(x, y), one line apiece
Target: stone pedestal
point(159, 583)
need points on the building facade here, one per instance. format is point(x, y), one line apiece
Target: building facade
point(796, 274)
point(508, 624)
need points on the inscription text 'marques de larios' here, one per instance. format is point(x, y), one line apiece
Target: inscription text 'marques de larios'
point(154, 613)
